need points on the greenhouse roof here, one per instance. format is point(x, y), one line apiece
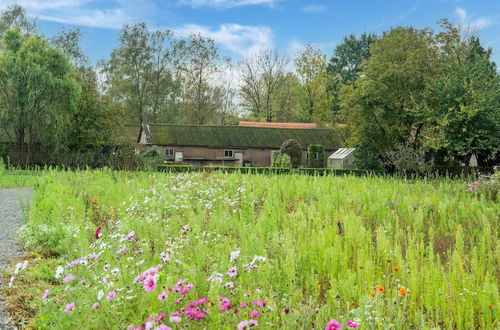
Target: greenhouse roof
point(342, 153)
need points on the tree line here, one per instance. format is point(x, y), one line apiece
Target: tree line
point(404, 98)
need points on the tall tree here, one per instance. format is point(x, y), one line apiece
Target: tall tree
point(262, 75)
point(466, 97)
point(37, 93)
point(389, 103)
point(199, 68)
point(138, 72)
point(345, 65)
point(15, 17)
point(311, 67)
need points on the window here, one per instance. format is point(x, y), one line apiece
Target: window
point(316, 155)
point(169, 152)
point(228, 154)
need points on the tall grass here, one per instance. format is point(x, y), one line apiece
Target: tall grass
point(383, 252)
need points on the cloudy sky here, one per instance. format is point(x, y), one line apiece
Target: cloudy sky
point(241, 27)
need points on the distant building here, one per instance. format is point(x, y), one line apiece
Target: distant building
point(343, 158)
point(231, 145)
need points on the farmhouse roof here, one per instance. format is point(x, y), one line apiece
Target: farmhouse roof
point(238, 136)
point(277, 125)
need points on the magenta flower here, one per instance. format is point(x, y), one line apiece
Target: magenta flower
point(352, 324)
point(163, 295)
point(130, 235)
point(96, 305)
point(243, 305)
point(247, 324)
point(333, 324)
point(202, 301)
point(150, 283)
point(160, 317)
point(111, 295)
point(254, 314)
point(68, 278)
point(45, 294)
point(69, 307)
point(286, 310)
point(163, 327)
point(97, 233)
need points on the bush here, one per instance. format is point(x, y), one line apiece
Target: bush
point(313, 151)
point(292, 148)
point(175, 168)
point(280, 160)
point(250, 170)
point(152, 157)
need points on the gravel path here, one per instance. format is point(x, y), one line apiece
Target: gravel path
point(12, 202)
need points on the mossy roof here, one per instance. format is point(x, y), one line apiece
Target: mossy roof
point(240, 136)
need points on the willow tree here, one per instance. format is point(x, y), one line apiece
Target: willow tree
point(37, 93)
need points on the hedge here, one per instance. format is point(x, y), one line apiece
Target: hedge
point(252, 170)
point(175, 168)
point(312, 161)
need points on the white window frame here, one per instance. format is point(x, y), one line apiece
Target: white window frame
point(228, 154)
point(167, 152)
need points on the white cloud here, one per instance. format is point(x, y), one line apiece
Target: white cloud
point(226, 3)
point(314, 9)
point(240, 39)
point(465, 22)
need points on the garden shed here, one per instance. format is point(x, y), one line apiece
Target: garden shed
point(342, 158)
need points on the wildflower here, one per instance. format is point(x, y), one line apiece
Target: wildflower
point(259, 303)
point(402, 292)
point(149, 324)
point(185, 229)
point(202, 301)
point(162, 296)
point(115, 271)
point(69, 307)
point(175, 319)
point(372, 294)
point(95, 306)
point(150, 283)
point(243, 305)
point(381, 289)
point(333, 324)
point(160, 317)
point(93, 256)
point(45, 294)
point(106, 278)
point(352, 324)
point(82, 282)
point(232, 272)
point(229, 285)
point(395, 268)
point(130, 235)
point(247, 324)
point(106, 267)
point(254, 314)
point(97, 233)
point(490, 305)
point(234, 255)
point(69, 278)
point(163, 327)
point(286, 310)
point(352, 304)
point(111, 295)
point(59, 271)
point(100, 294)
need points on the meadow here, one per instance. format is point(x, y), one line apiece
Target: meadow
point(143, 250)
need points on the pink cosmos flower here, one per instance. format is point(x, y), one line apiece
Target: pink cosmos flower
point(163, 327)
point(254, 314)
point(106, 278)
point(45, 294)
point(93, 256)
point(232, 272)
point(185, 229)
point(175, 319)
point(243, 305)
point(149, 324)
point(352, 324)
point(82, 282)
point(160, 317)
point(96, 305)
point(106, 267)
point(130, 235)
point(69, 307)
point(111, 295)
point(178, 300)
point(247, 324)
point(163, 295)
point(259, 303)
point(150, 283)
point(333, 325)
point(68, 278)
point(97, 233)
point(202, 301)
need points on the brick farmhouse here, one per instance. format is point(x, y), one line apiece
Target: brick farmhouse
point(231, 145)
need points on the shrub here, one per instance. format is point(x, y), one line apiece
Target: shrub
point(292, 148)
point(175, 168)
point(316, 156)
point(280, 160)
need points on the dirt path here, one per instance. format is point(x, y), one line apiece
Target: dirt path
point(12, 203)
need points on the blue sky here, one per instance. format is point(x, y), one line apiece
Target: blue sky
point(241, 27)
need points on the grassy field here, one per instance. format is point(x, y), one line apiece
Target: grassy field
point(152, 250)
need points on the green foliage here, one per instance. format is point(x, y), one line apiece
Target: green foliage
point(175, 168)
point(35, 117)
point(316, 156)
point(280, 160)
point(292, 148)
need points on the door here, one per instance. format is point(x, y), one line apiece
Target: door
point(179, 156)
point(239, 158)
